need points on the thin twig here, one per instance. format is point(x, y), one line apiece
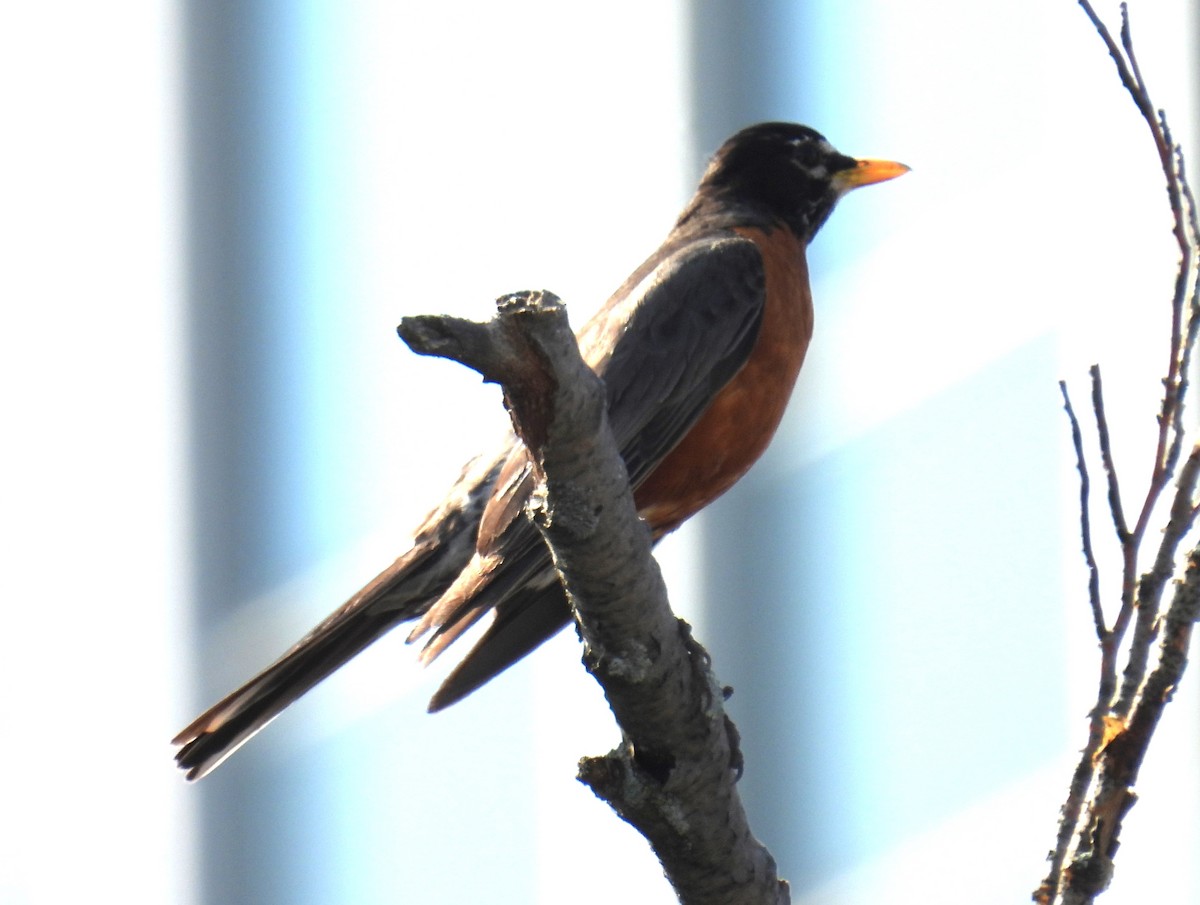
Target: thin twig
point(1186, 190)
point(1110, 469)
point(1139, 82)
point(1085, 526)
point(1111, 641)
point(1186, 231)
point(1127, 77)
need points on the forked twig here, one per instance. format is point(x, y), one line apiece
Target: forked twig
point(1122, 725)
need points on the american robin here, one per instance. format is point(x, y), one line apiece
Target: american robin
point(698, 349)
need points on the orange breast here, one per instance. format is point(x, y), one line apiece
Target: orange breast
point(736, 428)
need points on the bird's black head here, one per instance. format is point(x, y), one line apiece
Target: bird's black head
point(787, 173)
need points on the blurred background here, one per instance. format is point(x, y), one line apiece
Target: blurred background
point(215, 213)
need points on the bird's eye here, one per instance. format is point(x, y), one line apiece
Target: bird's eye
point(806, 154)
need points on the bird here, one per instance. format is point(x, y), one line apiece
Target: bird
point(699, 350)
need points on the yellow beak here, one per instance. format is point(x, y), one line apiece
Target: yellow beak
point(867, 172)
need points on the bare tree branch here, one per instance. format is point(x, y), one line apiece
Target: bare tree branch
point(674, 775)
point(1152, 582)
point(1122, 725)
point(1090, 871)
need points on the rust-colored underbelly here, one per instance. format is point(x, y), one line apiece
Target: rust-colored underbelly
point(736, 428)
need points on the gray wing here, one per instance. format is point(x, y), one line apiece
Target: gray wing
point(689, 333)
point(678, 341)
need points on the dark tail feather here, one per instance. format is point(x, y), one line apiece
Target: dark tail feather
point(227, 725)
point(444, 545)
point(400, 593)
point(521, 624)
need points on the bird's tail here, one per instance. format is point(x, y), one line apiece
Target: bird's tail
point(401, 593)
point(228, 724)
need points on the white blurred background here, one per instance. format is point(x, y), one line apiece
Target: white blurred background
point(215, 213)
